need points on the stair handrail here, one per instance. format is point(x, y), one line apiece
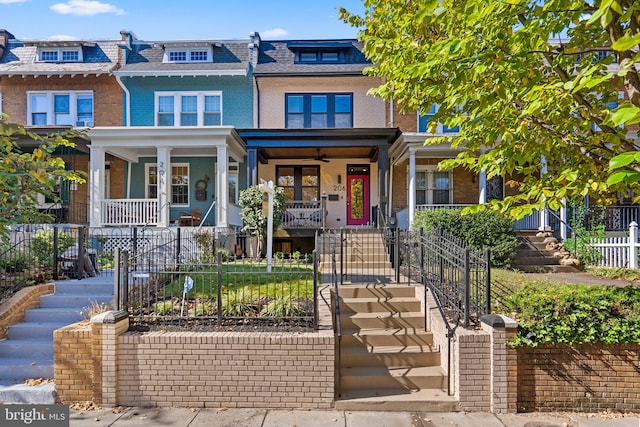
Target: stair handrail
point(337, 327)
point(451, 331)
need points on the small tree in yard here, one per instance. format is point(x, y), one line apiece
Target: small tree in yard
point(25, 174)
point(255, 220)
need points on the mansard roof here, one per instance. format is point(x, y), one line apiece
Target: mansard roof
point(280, 58)
point(21, 57)
point(145, 58)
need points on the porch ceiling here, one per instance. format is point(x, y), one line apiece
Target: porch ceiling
point(325, 152)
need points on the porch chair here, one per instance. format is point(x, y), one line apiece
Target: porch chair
point(196, 216)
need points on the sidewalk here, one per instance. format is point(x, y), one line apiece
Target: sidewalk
point(181, 417)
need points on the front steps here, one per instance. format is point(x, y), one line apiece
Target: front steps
point(532, 256)
point(387, 360)
point(27, 353)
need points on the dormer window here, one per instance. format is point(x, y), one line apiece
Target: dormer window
point(188, 55)
point(320, 52)
point(60, 55)
point(320, 56)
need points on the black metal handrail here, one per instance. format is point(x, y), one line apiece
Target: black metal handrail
point(337, 326)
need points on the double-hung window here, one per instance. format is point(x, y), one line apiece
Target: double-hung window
point(188, 108)
point(192, 54)
point(299, 182)
point(60, 55)
point(70, 108)
point(319, 110)
point(179, 183)
point(426, 118)
point(433, 187)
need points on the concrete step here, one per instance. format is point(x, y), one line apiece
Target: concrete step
point(386, 337)
point(537, 261)
point(28, 347)
point(17, 369)
point(383, 320)
point(83, 288)
point(376, 291)
point(33, 330)
point(392, 379)
point(389, 356)
point(73, 301)
point(525, 253)
point(371, 305)
point(427, 400)
point(68, 315)
point(42, 394)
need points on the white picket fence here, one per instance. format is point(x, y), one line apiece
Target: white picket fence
point(617, 252)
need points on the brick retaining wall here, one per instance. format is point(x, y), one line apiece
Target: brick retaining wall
point(12, 310)
point(579, 378)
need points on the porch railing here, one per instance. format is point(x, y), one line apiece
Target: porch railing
point(303, 214)
point(124, 212)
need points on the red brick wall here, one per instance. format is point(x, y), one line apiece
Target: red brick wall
point(586, 378)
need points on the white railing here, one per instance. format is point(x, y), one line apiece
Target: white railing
point(302, 214)
point(619, 217)
point(129, 212)
point(436, 207)
point(617, 252)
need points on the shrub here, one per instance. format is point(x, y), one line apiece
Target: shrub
point(41, 245)
point(163, 308)
point(283, 307)
point(237, 303)
point(485, 229)
point(14, 265)
point(574, 314)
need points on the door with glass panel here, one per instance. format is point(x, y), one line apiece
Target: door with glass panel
point(358, 196)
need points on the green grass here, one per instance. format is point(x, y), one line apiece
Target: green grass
point(617, 273)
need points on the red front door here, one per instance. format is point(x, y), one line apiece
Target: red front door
point(358, 199)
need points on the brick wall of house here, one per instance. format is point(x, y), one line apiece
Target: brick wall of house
point(73, 363)
point(235, 369)
point(368, 111)
point(107, 99)
point(12, 310)
point(406, 121)
point(587, 378)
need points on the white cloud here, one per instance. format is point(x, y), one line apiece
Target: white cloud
point(276, 32)
point(85, 8)
point(62, 37)
point(12, 1)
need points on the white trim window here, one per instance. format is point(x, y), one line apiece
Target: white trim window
point(433, 186)
point(232, 177)
point(63, 108)
point(60, 55)
point(179, 183)
point(186, 55)
point(188, 108)
point(425, 119)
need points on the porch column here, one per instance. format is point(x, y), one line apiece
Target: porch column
point(383, 180)
point(222, 189)
point(563, 220)
point(96, 185)
point(482, 186)
point(164, 185)
point(252, 167)
point(412, 185)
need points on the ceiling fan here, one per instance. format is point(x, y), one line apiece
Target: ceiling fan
point(321, 157)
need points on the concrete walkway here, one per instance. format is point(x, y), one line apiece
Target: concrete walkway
point(181, 417)
point(583, 278)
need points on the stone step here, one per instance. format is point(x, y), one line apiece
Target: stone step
point(375, 305)
point(548, 269)
point(73, 301)
point(540, 260)
point(383, 320)
point(376, 291)
point(387, 337)
point(68, 315)
point(427, 400)
point(27, 348)
point(392, 380)
point(389, 356)
point(83, 288)
point(525, 253)
point(17, 369)
point(33, 330)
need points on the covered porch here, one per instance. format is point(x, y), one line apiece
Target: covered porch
point(167, 176)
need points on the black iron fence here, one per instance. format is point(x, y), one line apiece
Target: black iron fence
point(198, 280)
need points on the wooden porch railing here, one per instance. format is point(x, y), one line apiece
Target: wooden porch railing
point(116, 212)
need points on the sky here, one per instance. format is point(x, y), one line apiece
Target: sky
point(177, 20)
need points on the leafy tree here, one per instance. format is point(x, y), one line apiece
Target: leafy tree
point(255, 221)
point(25, 174)
point(533, 85)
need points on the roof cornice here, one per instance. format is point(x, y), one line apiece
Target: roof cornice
point(182, 73)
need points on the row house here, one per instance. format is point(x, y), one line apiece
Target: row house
point(52, 86)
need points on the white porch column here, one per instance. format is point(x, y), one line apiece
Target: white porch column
point(563, 220)
point(544, 214)
point(222, 188)
point(164, 185)
point(412, 185)
point(482, 187)
point(96, 185)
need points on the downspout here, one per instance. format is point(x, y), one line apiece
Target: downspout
point(391, 118)
point(127, 101)
point(257, 101)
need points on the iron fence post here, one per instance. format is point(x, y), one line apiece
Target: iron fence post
point(440, 256)
point(342, 245)
point(487, 254)
point(467, 286)
point(125, 290)
point(178, 246)
point(396, 254)
point(421, 243)
point(134, 245)
point(219, 290)
point(117, 279)
point(80, 259)
point(315, 289)
point(55, 253)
